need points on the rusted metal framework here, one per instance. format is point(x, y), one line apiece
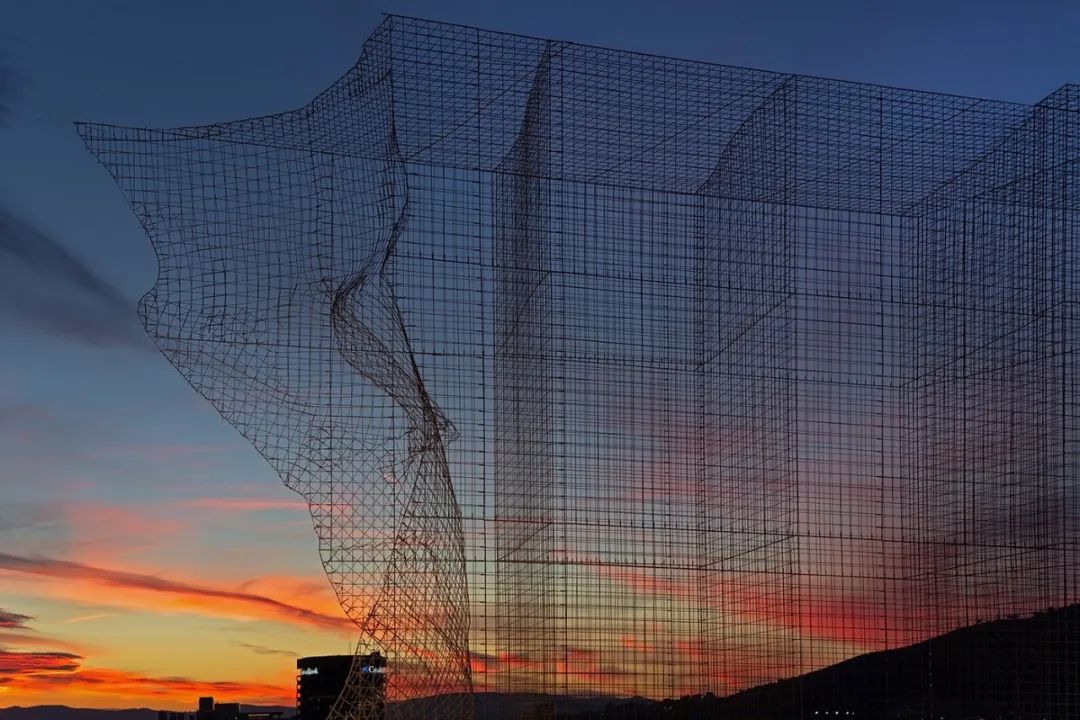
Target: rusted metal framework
point(610, 373)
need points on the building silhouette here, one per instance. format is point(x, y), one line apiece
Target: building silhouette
point(608, 373)
point(209, 710)
point(320, 680)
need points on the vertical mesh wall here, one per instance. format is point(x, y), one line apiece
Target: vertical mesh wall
point(614, 375)
point(747, 334)
point(524, 469)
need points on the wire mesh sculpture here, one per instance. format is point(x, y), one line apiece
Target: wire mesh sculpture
point(610, 373)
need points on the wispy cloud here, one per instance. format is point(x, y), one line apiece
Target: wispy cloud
point(86, 618)
point(43, 284)
point(21, 663)
point(13, 639)
point(16, 634)
point(184, 596)
point(37, 677)
point(13, 620)
point(263, 650)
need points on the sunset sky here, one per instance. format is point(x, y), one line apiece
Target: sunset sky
point(147, 554)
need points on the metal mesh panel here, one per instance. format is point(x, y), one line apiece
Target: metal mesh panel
point(606, 373)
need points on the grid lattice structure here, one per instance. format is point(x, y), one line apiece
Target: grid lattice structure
point(606, 373)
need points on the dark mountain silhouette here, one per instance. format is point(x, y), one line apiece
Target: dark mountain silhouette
point(1009, 668)
point(62, 712)
point(521, 706)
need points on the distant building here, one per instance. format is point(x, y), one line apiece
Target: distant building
point(320, 680)
point(209, 710)
point(223, 711)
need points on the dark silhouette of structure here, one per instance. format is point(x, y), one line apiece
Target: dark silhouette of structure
point(987, 670)
point(209, 710)
point(321, 680)
point(617, 373)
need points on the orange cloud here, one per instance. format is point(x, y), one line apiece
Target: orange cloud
point(577, 661)
point(481, 663)
point(638, 645)
point(34, 639)
point(515, 661)
point(646, 581)
point(99, 585)
point(513, 670)
point(839, 615)
point(41, 679)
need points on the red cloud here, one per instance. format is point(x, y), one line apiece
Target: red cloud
point(36, 677)
point(122, 683)
point(34, 639)
point(12, 620)
point(39, 680)
point(182, 595)
point(638, 645)
point(22, 663)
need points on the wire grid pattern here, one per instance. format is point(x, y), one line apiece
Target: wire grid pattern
point(611, 373)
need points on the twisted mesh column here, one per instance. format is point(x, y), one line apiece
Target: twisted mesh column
point(276, 239)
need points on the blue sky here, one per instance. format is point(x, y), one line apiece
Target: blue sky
point(107, 452)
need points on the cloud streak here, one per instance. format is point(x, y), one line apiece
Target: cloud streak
point(20, 663)
point(129, 684)
point(189, 596)
point(86, 618)
point(38, 677)
point(263, 650)
point(12, 620)
point(43, 284)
